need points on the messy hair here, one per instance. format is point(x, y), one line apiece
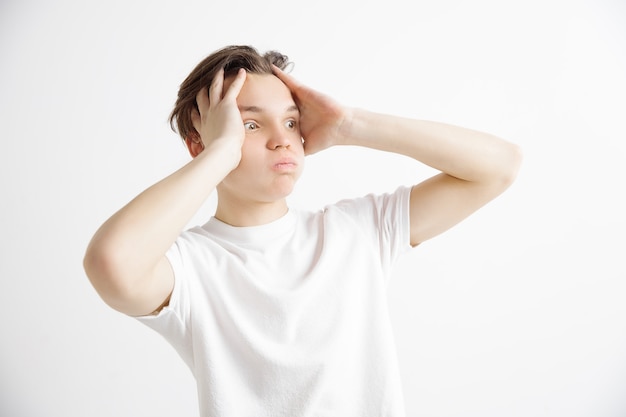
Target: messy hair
point(231, 58)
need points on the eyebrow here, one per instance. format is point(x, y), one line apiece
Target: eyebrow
point(256, 109)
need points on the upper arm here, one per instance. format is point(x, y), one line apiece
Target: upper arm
point(155, 293)
point(146, 295)
point(442, 201)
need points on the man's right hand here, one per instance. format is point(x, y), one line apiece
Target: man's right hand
point(218, 120)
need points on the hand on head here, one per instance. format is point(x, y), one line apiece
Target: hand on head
point(218, 118)
point(323, 121)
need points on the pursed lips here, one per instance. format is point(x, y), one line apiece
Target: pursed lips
point(285, 164)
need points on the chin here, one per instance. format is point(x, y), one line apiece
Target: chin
point(281, 191)
point(281, 194)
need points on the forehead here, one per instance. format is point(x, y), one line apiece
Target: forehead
point(263, 90)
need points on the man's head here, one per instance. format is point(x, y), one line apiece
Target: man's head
point(231, 58)
point(272, 153)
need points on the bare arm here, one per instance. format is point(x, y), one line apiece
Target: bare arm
point(125, 260)
point(475, 167)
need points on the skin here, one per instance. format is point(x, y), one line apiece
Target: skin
point(272, 154)
point(254, 133)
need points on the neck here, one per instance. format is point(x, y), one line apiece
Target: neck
point(243, 213)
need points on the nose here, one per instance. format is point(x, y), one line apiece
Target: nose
point(279, 138)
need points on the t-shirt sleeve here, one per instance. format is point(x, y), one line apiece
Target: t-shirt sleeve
point(172, 321)
point(384, 220)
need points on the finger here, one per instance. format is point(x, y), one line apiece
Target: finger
point(202, 99)
point(236, 85)
point(289, 81)
point(217, 85)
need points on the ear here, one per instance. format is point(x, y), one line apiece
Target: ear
point(194, 144)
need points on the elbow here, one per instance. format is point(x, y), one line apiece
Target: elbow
point(509, 162)
point(514, 158)
point(94, 262)
point(102, 267)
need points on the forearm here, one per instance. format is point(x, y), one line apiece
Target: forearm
point(462, 153)
point(130, 243)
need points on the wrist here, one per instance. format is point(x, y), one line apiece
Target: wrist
point(223, 153)
point(354, 129)
point(346, 127)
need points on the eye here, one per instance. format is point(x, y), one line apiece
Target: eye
point(250, 126)
point(291, 124)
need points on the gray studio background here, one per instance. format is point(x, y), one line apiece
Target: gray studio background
point(517, 312)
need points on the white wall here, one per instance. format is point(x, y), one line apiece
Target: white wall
point(517, 312)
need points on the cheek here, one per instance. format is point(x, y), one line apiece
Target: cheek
point(297, 142)
point(250, 155)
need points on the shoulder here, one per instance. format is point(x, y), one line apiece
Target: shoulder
point(372, 203)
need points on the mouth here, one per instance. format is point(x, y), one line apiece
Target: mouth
point(285, 164)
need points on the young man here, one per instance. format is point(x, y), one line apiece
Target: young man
point(280, 312)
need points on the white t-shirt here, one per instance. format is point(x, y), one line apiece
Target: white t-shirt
point(290, 319)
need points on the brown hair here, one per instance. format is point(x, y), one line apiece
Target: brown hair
point(231, 58)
